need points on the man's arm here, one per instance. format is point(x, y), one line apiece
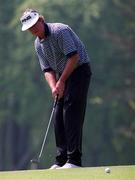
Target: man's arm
point(51, 79)
point(69, 68)
point(58, 87)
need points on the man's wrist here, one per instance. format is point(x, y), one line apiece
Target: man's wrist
point(62, 80)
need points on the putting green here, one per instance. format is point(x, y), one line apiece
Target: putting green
point(94, 173)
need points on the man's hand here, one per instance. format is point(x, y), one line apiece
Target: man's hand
point(59, 89)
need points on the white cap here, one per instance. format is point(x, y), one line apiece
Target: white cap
point(29, 18)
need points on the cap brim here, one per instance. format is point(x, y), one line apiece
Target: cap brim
point(29, 25)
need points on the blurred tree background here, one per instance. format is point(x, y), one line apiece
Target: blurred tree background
point(107, 29)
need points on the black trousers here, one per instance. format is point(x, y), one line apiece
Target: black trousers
point(69, 117)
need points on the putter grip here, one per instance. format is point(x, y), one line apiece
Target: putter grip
point(55, 101)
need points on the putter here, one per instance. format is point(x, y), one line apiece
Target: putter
point(35, 162)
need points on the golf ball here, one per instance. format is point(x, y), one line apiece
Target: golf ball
point(107, 170)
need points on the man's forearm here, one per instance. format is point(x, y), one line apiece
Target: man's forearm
point(69, 68)
point(50, 78)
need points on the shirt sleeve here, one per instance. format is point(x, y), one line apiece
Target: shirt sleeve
point(42, 61)
point(66, 42)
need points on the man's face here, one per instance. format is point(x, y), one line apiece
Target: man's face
point(38, 29)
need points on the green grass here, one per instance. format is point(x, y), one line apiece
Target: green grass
point(97, 173)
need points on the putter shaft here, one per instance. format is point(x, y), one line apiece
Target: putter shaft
point(35, 162)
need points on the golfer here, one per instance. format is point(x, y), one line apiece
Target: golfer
point(66, 67)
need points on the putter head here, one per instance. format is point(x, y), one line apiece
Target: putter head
point(34, 163)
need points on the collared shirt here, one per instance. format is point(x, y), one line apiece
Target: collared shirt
point(60, 44)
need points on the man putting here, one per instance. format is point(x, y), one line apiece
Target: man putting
point(66, 67)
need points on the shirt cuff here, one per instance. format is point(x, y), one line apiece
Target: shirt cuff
point(69, 55)
point(47, 70)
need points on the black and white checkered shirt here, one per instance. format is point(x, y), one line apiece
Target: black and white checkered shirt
point(59, 45)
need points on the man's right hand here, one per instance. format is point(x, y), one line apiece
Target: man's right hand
point(58, 89)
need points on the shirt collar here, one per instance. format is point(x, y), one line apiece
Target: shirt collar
point(47, 32)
